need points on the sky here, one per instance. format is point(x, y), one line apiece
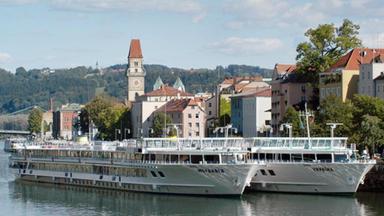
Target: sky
point(176, 33)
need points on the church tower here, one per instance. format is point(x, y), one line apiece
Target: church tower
point(135, 71)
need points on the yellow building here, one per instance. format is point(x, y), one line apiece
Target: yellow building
point(342, 78)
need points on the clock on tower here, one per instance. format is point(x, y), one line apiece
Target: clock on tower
point(135, 71)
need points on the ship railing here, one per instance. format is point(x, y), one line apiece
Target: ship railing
point(263, 142)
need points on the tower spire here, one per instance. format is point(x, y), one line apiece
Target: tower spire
point(135, 71)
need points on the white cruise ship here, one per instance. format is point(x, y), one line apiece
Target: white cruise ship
point(177, 166)
point(307, 165)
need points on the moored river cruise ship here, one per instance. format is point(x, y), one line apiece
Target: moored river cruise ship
point(307, 165)
point(157, 165)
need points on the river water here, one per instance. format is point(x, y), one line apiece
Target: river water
point(21, 198)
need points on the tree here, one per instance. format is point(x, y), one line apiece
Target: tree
point(325, 45)
point(35, 119)
point(225, 111)
point(108, 116)
point(160, 120)
point(291, 116)
point(372, 128)
point(334, 110)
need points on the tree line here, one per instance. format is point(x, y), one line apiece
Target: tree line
point(81, 84)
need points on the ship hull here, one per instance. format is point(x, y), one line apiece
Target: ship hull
point(216, 179)
point(327, 178)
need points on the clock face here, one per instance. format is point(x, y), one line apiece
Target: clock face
point(136, 83)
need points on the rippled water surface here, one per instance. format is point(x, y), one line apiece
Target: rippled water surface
point(21, 198)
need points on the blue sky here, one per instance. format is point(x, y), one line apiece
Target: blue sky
point(177, 33)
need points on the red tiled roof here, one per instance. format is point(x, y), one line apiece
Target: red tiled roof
point(178, 105)
point(235, 80)
point(285, 68)
point(357, 56)
point(259, 92)
point(135, 49)
point(165, 90)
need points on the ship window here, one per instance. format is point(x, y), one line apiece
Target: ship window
point(269, 156)
point(324, 157)
point(196, 159)
point(271, 172)
point(211, 158)
point(263, 172)
point(340, 157)
point(296, 157)
point(285, 157)
point(161, 174)
point(153, 174)
point(309, 157)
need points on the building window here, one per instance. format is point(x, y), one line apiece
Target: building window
point(136, 63)
point(136, 70)
point(197, 115)
point(197, 133)
point(209, 104)
point(193, 107)
point(189, 115)
point(190, 134)
point(190, 124)
point(209, 112)
point(197, 124)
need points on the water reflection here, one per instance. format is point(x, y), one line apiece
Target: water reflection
point(90, 201)
point(41, 199)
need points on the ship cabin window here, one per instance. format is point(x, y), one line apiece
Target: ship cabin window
point(196, 159)
point(269, 156)
point(263, 172)
point(212, 159)
point(184, 158)
point(271, 172)
point(262, 156)
point(255, 156)
point(340, 157)
point(324, 157)
point(309, 157)
point(285, 157)
point(153, 174)
point(161, 174)
point(296, 157)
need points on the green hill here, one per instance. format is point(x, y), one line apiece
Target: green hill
point(78, 85)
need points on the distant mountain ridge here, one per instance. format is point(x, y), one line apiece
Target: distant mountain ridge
point(80, 84)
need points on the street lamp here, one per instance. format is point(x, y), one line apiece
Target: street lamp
point(288, 126)
point(126, 131)
point(117, 131)
point(333, 126)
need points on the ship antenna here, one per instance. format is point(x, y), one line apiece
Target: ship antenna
point(307, 114)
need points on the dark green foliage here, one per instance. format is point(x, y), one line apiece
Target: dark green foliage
point(292, 117)
point(110, 117)
point(325, 45)
point(159, 121)
point(78, 85)
point(35, 119)
point(333, 110)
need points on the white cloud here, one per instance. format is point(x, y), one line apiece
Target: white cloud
point(190, 7)
point(5, 57)
point(246, 46)
point(305, 14)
